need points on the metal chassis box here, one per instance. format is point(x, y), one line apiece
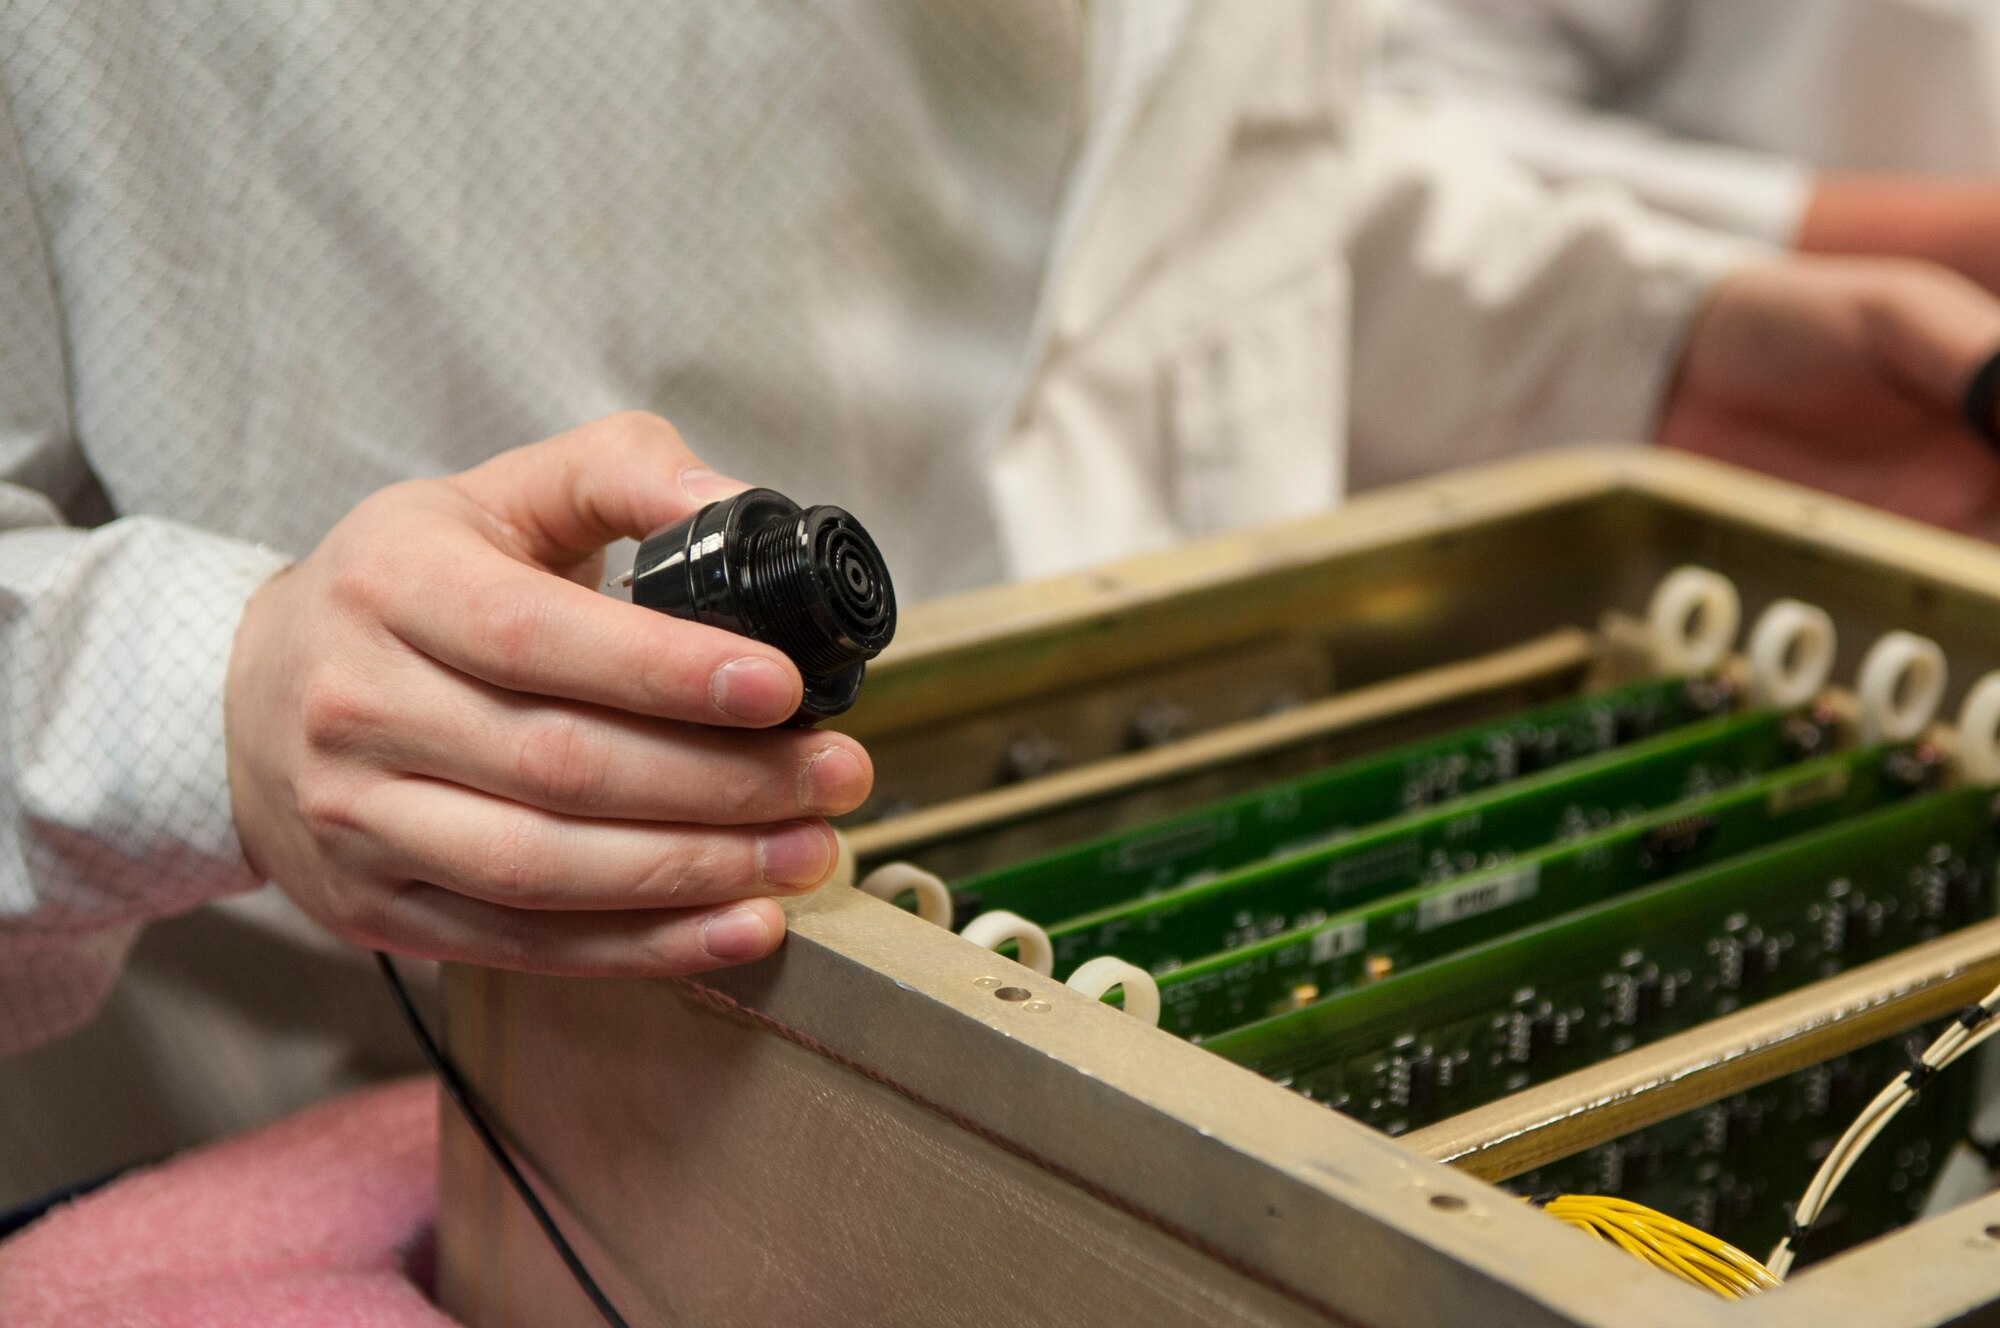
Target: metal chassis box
point(885, 1125)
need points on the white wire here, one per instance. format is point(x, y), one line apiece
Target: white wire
point(1949, 1046)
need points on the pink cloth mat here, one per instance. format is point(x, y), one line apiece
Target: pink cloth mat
point(323, 1220)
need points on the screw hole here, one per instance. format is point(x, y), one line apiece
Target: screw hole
point(1013, 993)
point(1449, 1203)
point(1993, 1232)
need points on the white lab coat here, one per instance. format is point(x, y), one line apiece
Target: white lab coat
point(1023, 293)
point(1718, 110)
point(1207, 318)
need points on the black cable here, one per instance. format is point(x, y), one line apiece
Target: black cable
point(461, 1096)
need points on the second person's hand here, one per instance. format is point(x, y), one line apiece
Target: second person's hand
point(1847, 374)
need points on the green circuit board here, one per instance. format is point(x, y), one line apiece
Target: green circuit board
point(1348, 948)
point(1461, 1031)
point(1436, 843)
point(1731, 1167)
point(1413, 934)
point(1283, 817)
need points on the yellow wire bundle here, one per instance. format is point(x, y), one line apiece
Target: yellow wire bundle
point(1687, 1252)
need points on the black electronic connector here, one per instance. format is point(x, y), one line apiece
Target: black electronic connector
point(808, 581)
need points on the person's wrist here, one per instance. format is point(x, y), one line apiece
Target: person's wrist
point(245, 709)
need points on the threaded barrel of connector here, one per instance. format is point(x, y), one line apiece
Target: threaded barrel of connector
point(778, 591)
point(818, 590)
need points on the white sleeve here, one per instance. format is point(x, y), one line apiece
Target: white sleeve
point(114, 800)
point(1536, 78)
point(1494, 313)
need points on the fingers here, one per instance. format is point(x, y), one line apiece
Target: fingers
point(512, 625)
point(486, 605)
point(487, 848)
point(544, 793)
point(1939, 330)
point(623, 476)
point(430, 923)
point(586, 761)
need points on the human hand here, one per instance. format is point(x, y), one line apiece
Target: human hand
point(444, 741)
point(1949, 219)
point(1847, 375)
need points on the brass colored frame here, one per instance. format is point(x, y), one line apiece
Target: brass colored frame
point(871, 1135)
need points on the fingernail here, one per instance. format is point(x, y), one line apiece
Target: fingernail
point(753, 688)
point(738, 933)
point(703, 485)
point(795, 855)
point(832, 782)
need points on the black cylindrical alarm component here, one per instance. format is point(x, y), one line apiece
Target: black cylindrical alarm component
point(808, 581)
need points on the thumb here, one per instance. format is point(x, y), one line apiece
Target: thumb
point(623, 476)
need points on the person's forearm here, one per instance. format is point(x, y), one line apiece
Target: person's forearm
point(114, 805)
point(1950, 220)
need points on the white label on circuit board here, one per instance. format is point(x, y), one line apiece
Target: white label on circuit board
point(1476, 897)
point(1333, 942)
point(1174, 842)
point(1809, 792)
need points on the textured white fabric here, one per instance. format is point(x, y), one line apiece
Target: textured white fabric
point(1255, 222)
point(1025, 284)
point(283, 255)
point(1423, 251)
point(1717, 110)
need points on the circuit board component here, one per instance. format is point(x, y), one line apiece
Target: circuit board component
point(1414, 934)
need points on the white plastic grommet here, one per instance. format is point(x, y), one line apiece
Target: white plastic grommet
point(1979, 732)
point(1097, 976)
point(1693, 619)
point(1791, 654)
point(1901, 683)
point(995, 929)
point(892, 880)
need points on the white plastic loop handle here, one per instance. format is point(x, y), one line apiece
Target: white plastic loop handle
point(1791, 654)
point(995, 929)
point(1901, 683)
point(1979, 732)
point(1693, 618)
point(1097, 976)
point(843, 859)
point(892, 880)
